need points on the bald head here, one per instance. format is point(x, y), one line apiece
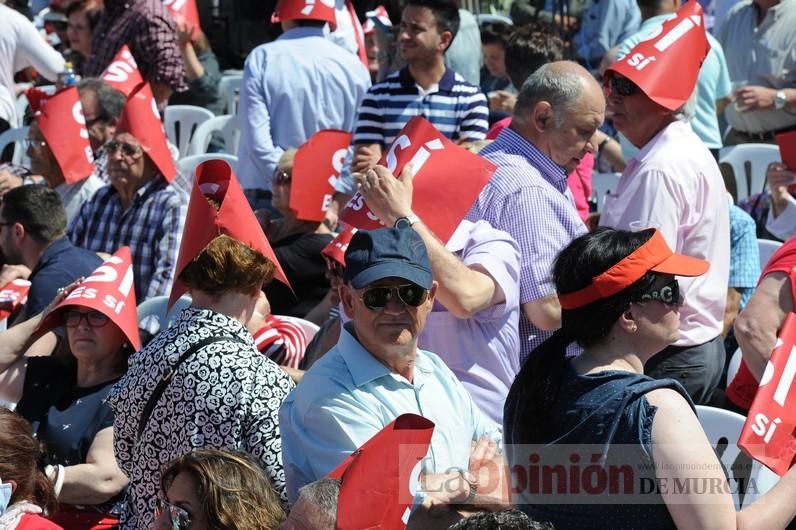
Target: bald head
point(561, 84)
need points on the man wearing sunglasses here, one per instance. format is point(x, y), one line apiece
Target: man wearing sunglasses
point(376, 373)
point(674, 184)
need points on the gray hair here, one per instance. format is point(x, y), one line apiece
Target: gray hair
point(323, 493)
point(688, 109)
point(110, 101)
point(559, 88)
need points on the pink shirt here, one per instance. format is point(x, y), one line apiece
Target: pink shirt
point(579, 181)
point(674, 184)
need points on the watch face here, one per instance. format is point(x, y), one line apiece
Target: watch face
point(403, 222)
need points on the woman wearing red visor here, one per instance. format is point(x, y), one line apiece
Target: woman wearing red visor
point(592, 441)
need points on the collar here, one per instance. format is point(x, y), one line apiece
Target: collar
point(301, 32)
point(445, 84)
point(365, 368)
point(671, 131)
point(516, 144)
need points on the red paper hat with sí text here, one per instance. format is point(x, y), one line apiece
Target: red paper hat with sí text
point(306, 10)
point(216, 181)
point(336, 249)
point(140, 118)
point(385, 471)
point(184, 11)
point(109, 290)
point(62, 124)
point(316, 169)
point(666, 66)
point(13, 295)
point(123, 74)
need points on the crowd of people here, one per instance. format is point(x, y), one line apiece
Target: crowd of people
point(382, 359)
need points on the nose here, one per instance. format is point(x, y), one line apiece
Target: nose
point(394, 305)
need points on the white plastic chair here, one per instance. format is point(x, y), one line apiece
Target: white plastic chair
point(229, 88)
point(309, 328)
point(181, 123)
point(226, 126)
point(15, 136)
point(154, 316)
point(601, 185)
point(187, 165)
point(766, 247)
point(735, 364)
point(723, 428)
point(749, 163)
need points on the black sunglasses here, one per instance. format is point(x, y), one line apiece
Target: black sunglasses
point(95, 319)
point(623, 86)
point(668, 294)
point(377, 298)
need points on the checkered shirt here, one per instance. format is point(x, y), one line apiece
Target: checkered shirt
point(744, 254)
point(148, 29)
point(151, 226)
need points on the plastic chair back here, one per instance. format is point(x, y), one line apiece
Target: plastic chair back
point(767, 247)
point(226, 126)
point(15, 136)
point(748, 163)
point(229, 88)
point(181, 123)
point(187, 165)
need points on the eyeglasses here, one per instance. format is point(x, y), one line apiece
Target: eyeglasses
point(95, 319)
point(281, 177)
point(128, 150)
point(668, 294)
point(179, 518)
point(377, 298)
point(32, 142)
point(623, 86)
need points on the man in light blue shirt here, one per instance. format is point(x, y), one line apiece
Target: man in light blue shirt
point(375, 373)
point(605, 24)
point(713, 83)
point(292, 88)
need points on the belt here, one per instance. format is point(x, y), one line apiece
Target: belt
point(766, 136)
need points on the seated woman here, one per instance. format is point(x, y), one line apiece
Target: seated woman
point(774, 209)
point(82, 17)
point(219, 490)
point(201, 383)
point(297, 244)
point(25, 493)
point(619, 301)
point(64, 398)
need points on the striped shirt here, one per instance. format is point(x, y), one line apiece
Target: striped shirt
point(455, 107)
point(282, 341)
point(151, 226)
point(528, 197)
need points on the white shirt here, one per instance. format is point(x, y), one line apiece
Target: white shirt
point(675, 185)
point(22, 46)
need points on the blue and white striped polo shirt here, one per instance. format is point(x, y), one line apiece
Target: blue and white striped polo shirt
point(455, 107)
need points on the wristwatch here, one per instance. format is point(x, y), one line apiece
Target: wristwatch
point(406, 222)
point(472, 483)
point(780, 100)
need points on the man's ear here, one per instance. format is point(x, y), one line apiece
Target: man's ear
point(347, 295)
point(445, 39)
point(542, 116)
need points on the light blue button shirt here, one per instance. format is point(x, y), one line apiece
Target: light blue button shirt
point(349, 395)
point(292, 88)
point(605, 24)
point(713, 82)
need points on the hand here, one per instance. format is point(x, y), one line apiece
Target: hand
point(365, 157)
point(9, 181)
point(60, 296)
point(10, 273)
point(432, 514)
point(502, 101)
point(389, 198)
point(750, 98)
point(184, 34)
point(779, 177)
point(490, 472)
point(331, 216)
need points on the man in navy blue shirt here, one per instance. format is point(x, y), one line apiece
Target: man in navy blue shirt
point(33, 234)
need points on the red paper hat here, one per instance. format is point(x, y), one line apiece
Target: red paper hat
point(315, 170)
point(13, 295)
point(336, 249)
point(378, 15)
point(666, 66)
point(383, 472)
point(123, 74)
point(444, 174)
point(234, 218)
point(36, 98)
point(141, 118)
point(184, 11)
point(109, 290)
point(62, 124)
point(787, 148)
point(305, 10)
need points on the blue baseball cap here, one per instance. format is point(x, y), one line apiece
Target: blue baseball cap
point(373, 255)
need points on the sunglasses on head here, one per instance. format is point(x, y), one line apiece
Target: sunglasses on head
point(179, 518)
point(130, 150)
point(623, 86)
point(376, 298)
point(281, 177)
point(668, 294)
point(94, 319)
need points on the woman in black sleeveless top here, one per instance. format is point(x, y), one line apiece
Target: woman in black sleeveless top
point(593, 442)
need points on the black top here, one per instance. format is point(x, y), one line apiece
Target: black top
point(64, 416)
point(300, 257)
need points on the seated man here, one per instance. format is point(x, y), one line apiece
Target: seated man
point(375, 373)
point(139, 208)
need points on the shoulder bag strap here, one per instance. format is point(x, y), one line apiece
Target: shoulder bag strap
point(164, 382)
